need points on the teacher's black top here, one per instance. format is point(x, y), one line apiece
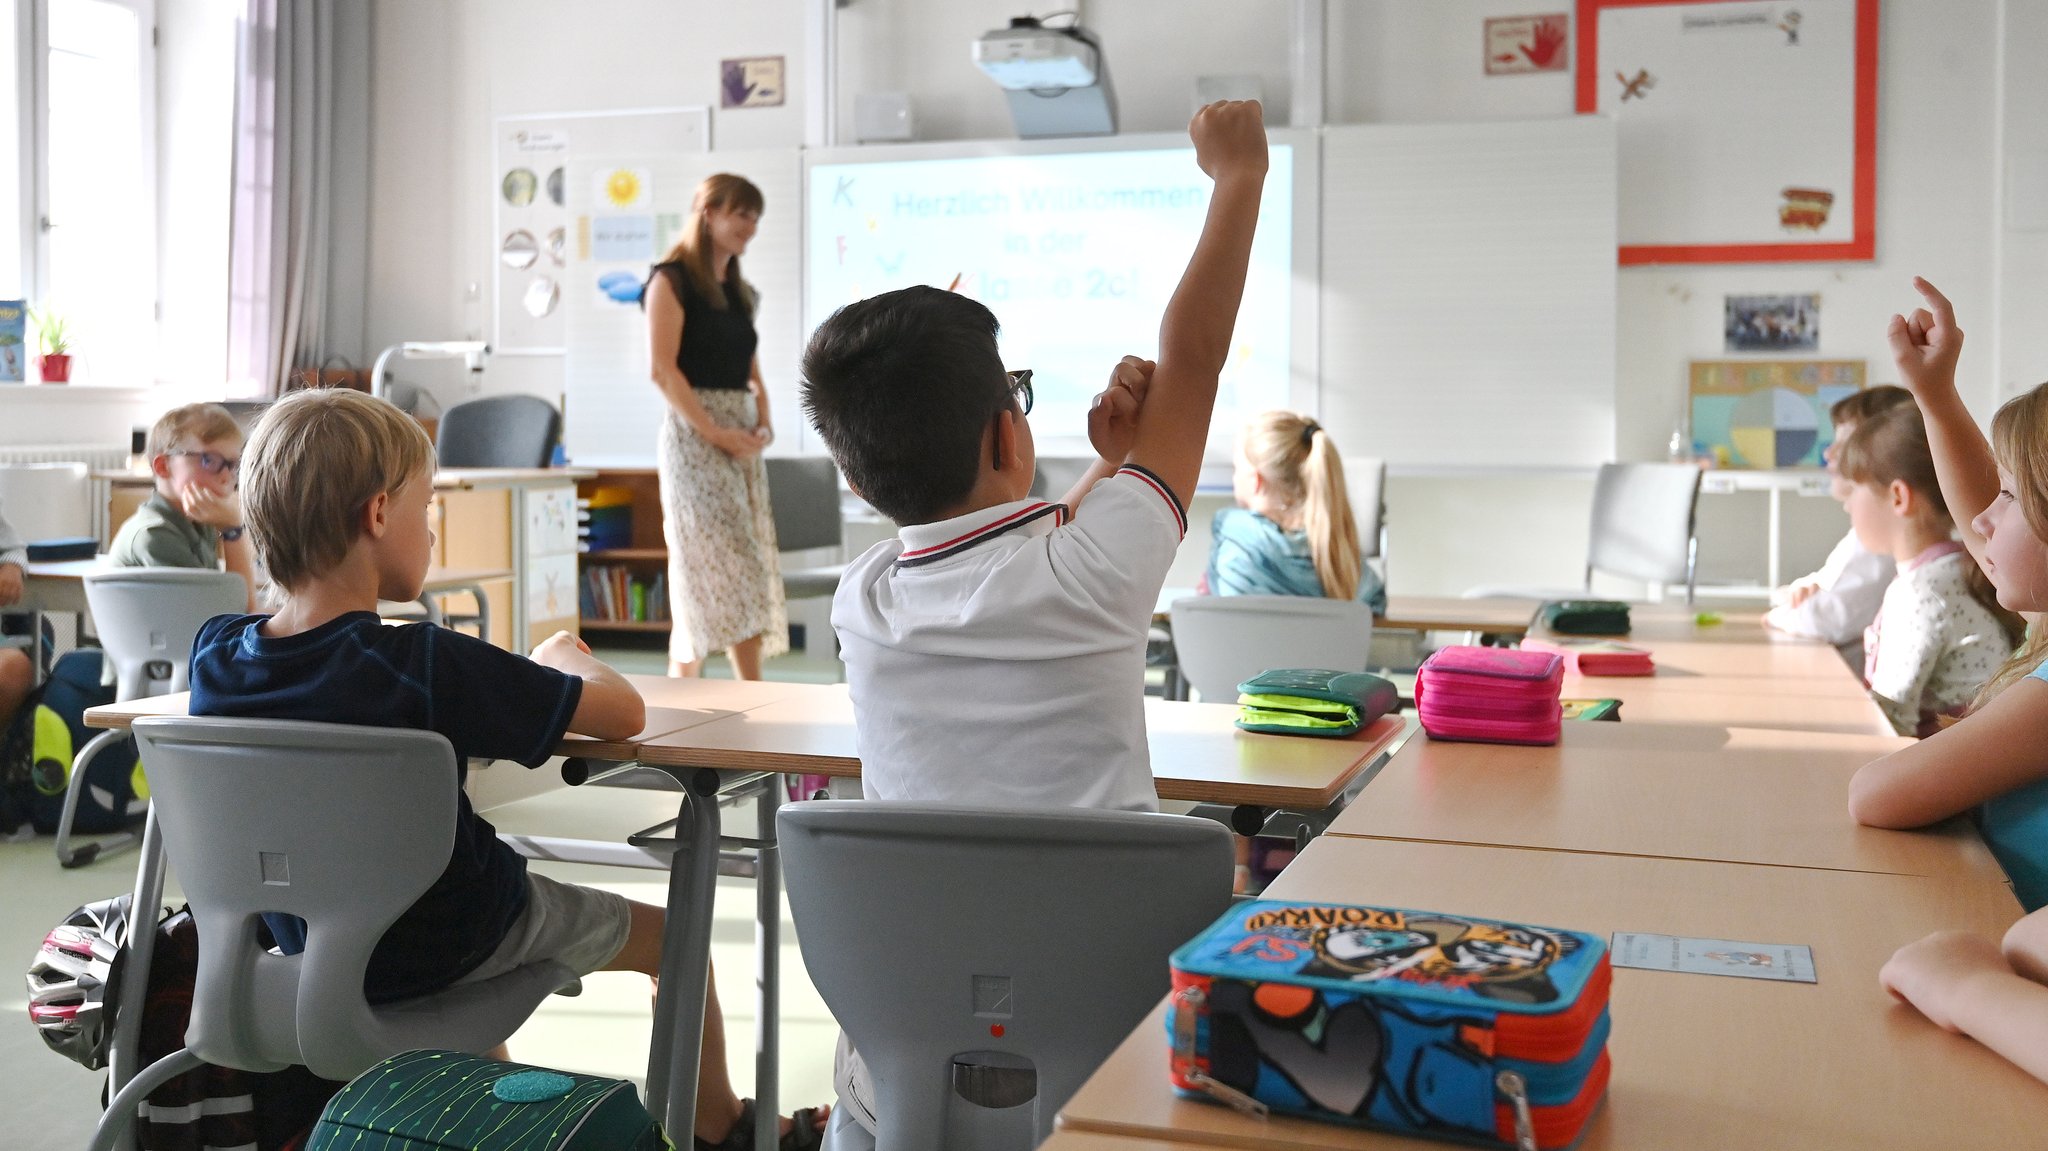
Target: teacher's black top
point(717, 350)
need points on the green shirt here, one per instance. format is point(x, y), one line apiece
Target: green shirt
point(159, 535)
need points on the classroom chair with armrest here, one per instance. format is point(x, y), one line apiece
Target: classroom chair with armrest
point(944, 938)
point(1223, 640)
point(803, 493)
point(499, 432)
point(147, 619)
point(1643, 528)
point(342, 825)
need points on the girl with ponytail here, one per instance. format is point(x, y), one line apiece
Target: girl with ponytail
point(1292, 532)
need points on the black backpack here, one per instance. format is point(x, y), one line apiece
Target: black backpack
point(44, 737)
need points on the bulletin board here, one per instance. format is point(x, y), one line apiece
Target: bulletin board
point(1747, 128)
point(1768, 413)
point(533, 226)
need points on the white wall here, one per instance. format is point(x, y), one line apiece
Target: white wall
point(1962, 191)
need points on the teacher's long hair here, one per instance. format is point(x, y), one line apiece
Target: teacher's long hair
point(693, 250)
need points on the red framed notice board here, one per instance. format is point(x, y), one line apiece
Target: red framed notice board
point(1747, 129)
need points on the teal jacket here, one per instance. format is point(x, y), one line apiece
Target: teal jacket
point(1251, 555)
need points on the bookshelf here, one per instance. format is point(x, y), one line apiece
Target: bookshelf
point(608, 576)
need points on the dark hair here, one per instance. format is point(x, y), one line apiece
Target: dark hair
point(901, 388)
point(1859, 406)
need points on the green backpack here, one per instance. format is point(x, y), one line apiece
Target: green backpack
point(447, 1101)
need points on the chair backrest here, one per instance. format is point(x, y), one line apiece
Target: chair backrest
point(1643, 519)
point(1221, 641)
point(343, 826)
point(1057, 475)
point(1365, 481)
point(803, 494)
point(47, 501)
point(934, 932)
point(148, 618)
point(498, 432)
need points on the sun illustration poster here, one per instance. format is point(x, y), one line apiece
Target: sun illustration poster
point(621, 188)
point(1767, 413)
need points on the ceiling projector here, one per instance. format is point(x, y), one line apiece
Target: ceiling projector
point(1028, 56)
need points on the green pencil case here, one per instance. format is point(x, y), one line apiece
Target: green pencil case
point(1585, 616)
point(1593, 709)
point(1313, 701)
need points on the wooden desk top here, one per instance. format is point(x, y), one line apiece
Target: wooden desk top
point(1734, 795)
point(1197, 753)
point(1090, 1141)
point(63, 569)
point(1499, 615)
point(1699, 1061)
point(1737, 701)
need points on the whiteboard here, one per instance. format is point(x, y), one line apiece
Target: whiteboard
point(1468, 292)
point(531, 218)
point(1747, 129)
point(612, 411)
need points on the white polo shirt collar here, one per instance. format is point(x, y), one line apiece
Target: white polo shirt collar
point(927, 543)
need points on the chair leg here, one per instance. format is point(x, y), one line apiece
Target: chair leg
point(117, 1126)
point(67, 855)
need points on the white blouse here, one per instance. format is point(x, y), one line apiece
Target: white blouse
point(1932, 644)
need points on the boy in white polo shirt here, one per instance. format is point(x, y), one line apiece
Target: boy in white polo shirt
point(1013, 626)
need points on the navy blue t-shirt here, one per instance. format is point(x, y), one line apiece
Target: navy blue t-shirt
point(490, 703)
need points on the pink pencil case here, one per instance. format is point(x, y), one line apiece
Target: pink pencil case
point(1491, 695)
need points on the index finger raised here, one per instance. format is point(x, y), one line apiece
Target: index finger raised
point(1944, 311)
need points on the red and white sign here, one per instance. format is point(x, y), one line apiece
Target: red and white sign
point(1528, 44)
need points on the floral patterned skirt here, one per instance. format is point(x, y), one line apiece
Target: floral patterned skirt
point(724, 573)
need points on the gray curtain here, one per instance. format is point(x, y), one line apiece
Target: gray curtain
point(300, 208)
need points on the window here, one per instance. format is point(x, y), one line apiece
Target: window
point(95, 223)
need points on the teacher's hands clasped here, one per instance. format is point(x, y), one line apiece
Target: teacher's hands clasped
point(739, 443)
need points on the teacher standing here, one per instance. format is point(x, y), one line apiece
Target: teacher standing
point(724, 576)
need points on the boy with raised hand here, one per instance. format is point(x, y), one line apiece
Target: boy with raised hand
point(337, 489)
point(1017, 627)
point(194, 518)
point(995, 650)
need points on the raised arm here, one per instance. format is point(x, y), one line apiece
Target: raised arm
point(1195, 333)
point(1989, 753)
point(1925, 346)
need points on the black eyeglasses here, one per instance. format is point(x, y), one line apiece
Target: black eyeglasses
point(1020, 385)
point(212, 461)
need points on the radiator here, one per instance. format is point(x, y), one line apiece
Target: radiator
point(99, 457)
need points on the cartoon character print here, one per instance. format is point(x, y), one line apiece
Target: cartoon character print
point(1494, 960)
point(1412, 1066)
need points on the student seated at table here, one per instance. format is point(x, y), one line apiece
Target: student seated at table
point(1993, 762)
point(1940, 634)
point(995, 650)
point(1292, 532)
point(337, 487)
point(1838, 602)
point(194, 518)
point(1996, 993)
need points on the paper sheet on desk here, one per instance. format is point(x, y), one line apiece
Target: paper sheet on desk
point(1790, 962)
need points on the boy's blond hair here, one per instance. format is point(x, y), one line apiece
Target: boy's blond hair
point(190, 426)
point(316, 458)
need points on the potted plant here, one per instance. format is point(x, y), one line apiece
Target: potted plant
point(55, 362)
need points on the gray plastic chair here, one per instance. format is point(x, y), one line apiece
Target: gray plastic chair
point(343, 826)
point(1644, 527)
point(1221, 641)
point(925, 927)
point(147, 620)
point(803, 492)
point(1365, 481)
point(498, 432)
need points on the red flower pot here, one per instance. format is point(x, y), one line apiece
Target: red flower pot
point(55, 369)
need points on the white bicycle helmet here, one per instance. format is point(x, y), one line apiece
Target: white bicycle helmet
point(73, 985)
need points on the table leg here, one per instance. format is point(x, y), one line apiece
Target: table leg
point(767, 971)
point(1777, 506)
point(674, 1055)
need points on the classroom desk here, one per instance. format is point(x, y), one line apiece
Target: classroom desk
point(442, 581)
point(1727, 794)
point(1197, 752)
point(1090, 1141)
point(1699, 1061)
point(57, 586)
point(1498, 615)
